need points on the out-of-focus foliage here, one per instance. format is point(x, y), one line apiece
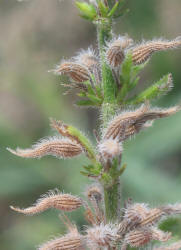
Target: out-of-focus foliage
point(35, 35)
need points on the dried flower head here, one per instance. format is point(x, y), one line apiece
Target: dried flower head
point(64, 202)
point(102, 235)
point(129, 123)
point(62, 148)
point(115, 50)
point(77, 72)
point(143, 52)
point(110, 148)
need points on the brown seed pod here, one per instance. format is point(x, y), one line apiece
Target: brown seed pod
point(133, 216)
point(153, 216)
point(64, 202)
point(143, 52)
point(115, 50)
point(129, 123)
point(58, 147)
point(70, 241)
point(138, 238)
point(77, 72)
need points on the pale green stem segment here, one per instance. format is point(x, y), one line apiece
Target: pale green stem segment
point(108, 83)
point(112, 191)
point(86, 144)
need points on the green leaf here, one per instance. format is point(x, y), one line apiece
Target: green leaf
point(84, 141)
point(103, 9)
point(136, 69)
point(81, 94)
point(95, 99)
point(85, 103)
point(129, 76)
point(159, 88)
point(126, 69)
point(87, 11)
point(111, 13)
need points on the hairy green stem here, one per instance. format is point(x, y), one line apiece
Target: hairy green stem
point(111, 189)
point(108, 83)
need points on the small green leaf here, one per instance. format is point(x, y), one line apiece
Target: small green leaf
point(136, 69)
point(121, 171)
point(84, 141)
point(127, 68)
point(81, 94)
point(87, 11)
point(103, 9)
point(159, 88)
point(95, 99)
point(99, 92)
point(85, 103)
point(111, 13)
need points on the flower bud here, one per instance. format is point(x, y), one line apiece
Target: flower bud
point(115, 51)
point(94, 192)
point(62, 148)
point(64, 202)
point(129, 123)
point(70, 241)
point(143, 52)
point(138, 238)
point(90, 61)
point(77, 72)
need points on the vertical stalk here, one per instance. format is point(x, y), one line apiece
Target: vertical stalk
point(104, 34)
point(112, 189)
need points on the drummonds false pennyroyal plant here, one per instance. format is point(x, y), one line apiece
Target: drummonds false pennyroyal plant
point(106, 79)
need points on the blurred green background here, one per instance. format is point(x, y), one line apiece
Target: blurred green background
point(35, 35)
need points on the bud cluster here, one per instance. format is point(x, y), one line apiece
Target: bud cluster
point(137, 228)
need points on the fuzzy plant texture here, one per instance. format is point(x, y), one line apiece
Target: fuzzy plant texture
point(106, 78)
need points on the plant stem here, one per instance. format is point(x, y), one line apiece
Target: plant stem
point(112, 191)
point(108, 83)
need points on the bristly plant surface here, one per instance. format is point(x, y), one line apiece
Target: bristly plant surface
point(106, 79)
